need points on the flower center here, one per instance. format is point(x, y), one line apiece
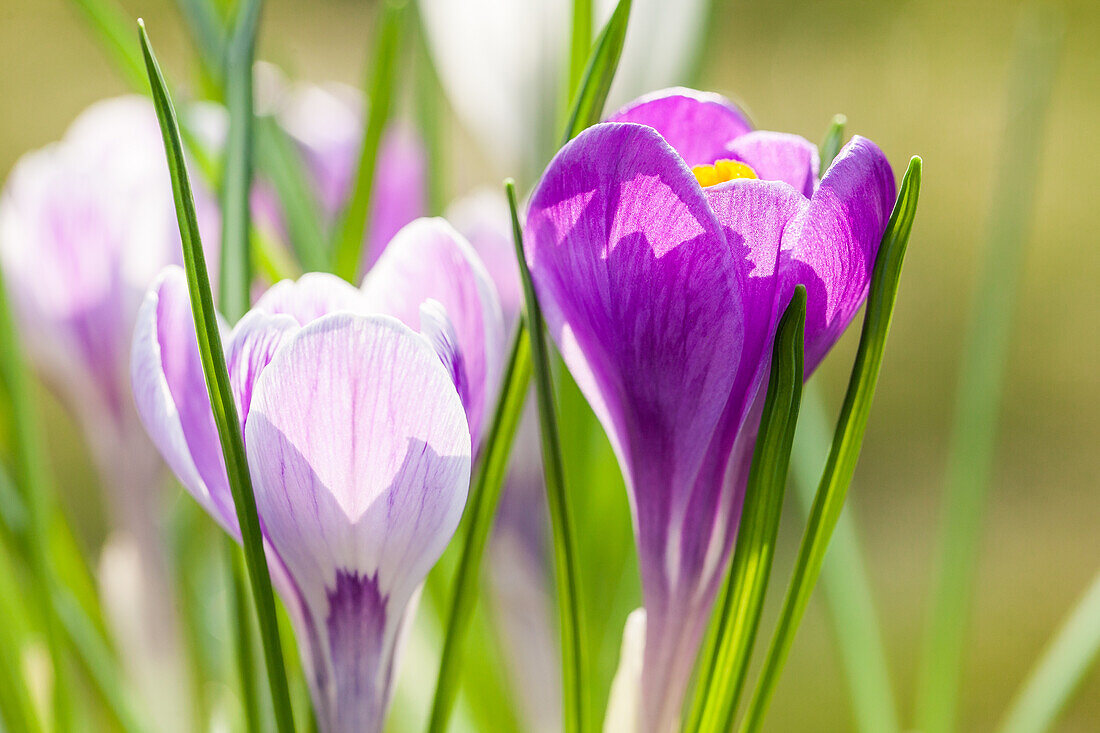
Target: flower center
point(721, 171)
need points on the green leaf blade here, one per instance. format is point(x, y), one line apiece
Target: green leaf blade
point(847, 441)
point(348, 248)
point(604, 61)
point(566, 561)
point(723, 675)
point(218, 388)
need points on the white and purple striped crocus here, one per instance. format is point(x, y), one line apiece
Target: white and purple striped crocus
point(357, 407)
point(663, 246)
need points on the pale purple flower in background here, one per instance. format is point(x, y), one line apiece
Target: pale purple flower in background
point(503, 65)
point(358, 434)
point(663, 294)
point(85, 224)
point(326, 122)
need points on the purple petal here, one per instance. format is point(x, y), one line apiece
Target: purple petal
point(778, 156)
point(642, 293)
point(250, 348)
point(429, 259)
point(484, 219)
point(171, 397)
point(832, 250)
point(311, 296)
point(360, 453)
point(699, 125)
point(400, 188)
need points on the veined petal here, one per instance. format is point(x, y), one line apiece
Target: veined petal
point(832, 249)
point(360, 452)
point(250, 348)
point(428, 259)
point(779, 156)
point(171, 398)
point(699, 125)
point(641, 293)
point(311, 296)
point(484, 219)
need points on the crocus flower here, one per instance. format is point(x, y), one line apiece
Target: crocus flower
point(503, 64)
point(85, 225)
point(326, 123)
point(357, 430)
point(663, 245)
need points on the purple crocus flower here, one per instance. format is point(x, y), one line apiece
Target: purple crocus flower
point(357, 407)
point(663, 245)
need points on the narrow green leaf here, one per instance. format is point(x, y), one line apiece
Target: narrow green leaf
point(481, 508)
point(844, 579)
point(113, 26)
point(236, 267)
point(17, 710)
point(982, 373)
point(279, 160)
point(241, 625)
point(844, 576)
point(221, 396)
point(210, 38)
point(98, 662)
point(430, 100)
point(37, 494)
point(743, 601)
point(833, 142)
point(566, 563)
point(1060, 671)
point(588, 103)
point(580, 43)
point(847, 441)
point(348, 248)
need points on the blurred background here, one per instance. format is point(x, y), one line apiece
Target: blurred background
point(918, 77)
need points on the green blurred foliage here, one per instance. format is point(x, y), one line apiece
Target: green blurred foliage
point(921, 77)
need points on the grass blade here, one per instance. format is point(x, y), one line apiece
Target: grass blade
point(844, 579)
point(37, 494)
point(580, 43)
point(743, 601)
point(236, 267)
point(17, 710)
point(847, 441)
point(847, 589)
point(982, 373)
point(566, 563)
point(833, 142)
point(600, 72)
point(209, 35)
point(221, 398)
point(484, 497)
point(348, 247)
point(241, 626)
point(1066, 661)
point(113, 28)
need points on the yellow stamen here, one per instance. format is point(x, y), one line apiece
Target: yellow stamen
point(721, 171)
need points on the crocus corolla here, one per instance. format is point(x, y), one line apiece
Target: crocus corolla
point(663, 246)
point(357, 407)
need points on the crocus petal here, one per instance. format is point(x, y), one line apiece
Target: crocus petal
point(643, 294)
point(311, 296)
point(429, 259)
point(778, 156)
point(251, 346)
point(171, 398)
point(624, 700)
point(400, 191)
point(484, 219)
point(360, 453)
point(699, 125)
point(832, 250)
